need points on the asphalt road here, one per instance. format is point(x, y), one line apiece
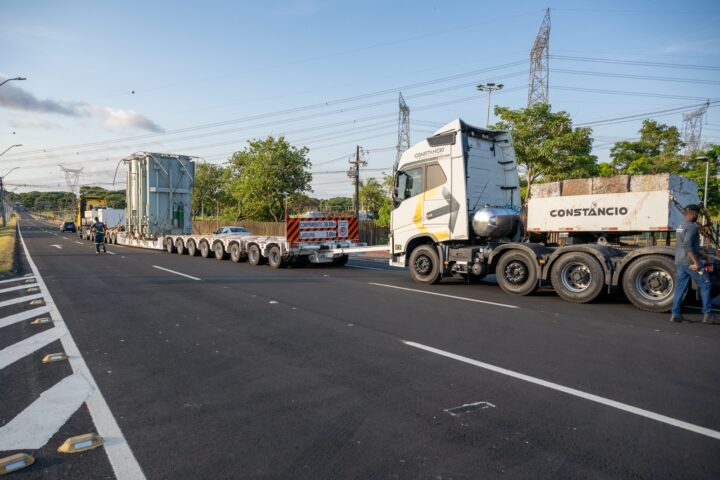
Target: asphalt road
point(213, 369)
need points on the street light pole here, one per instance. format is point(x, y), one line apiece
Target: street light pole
point(11, 146)
point(489, 88)
point(11, 79)
point(2, 195)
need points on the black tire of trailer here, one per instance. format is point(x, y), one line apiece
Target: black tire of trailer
point(180, 246)
point(517, 273)
point(205, 250)
point(192, 248)
point(424, 265)
point(577, 277)
point(169, 245)
point(275, 259)
point(340, 261)
point(236, 253)
point(254, 255)
point(219, 251)
point(649, 283)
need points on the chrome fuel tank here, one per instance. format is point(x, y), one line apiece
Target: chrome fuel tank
point(495, 222)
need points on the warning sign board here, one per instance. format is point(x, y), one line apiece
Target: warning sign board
point(321, 229)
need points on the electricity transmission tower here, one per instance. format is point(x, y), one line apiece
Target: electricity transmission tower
point(403, 142)
point(692, 128)
point(538, 91)
point(72, 178)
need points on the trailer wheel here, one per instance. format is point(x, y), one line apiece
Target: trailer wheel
point(340, 261)
point(236, 253)
point(180, 246)
point(275, 259)
point(205, 249)
point(649, 283)
point(192, 249)
point(169, 245)
point(219, 251)
point(578, 277)
point(254, 255)
point(517, 273)
point(425, 265)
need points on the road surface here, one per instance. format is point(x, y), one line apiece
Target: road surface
point(211, 369)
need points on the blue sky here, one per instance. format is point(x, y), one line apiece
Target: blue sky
point(216, 70)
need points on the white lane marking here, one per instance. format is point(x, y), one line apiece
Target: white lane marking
point(176, 273)
point(25, 298)
point(366, 268)
point(468, 407)
point(19, 317)
point(23, 348)
point(79, 243)
point(444, 295)
point(111, 253)
point(18, 287)
point(572, 391)
point(35, 426)
point(119, 454)
point(15, 279)
point(59, 247)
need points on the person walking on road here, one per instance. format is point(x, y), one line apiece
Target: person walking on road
point(689, 266)
point(98, 230)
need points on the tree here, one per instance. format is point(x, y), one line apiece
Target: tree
point(695, 170)
point(208, 188)
point(263, 173)
point(546, 144)
point(657, 151)
point(372, 196)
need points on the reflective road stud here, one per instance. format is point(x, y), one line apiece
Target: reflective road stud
point(15, 462)
point(36, 302)
point(54, 357)
point(40, 321)
point(81, 443)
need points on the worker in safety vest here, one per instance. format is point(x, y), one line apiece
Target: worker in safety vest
point(98, 230)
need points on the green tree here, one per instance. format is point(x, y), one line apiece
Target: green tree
point(546, 144)
point(695, 170)
point(263, 173)
point(208, 188)
point(657, 151)
point(373, 195)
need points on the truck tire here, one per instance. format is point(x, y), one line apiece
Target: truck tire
point(169, 245)
point(275, 259)
point(219, 251)
point(517, 273)
point(236, 253)
point(649, 283)
point(205, 251)
point(254, 255)
point(180, 246)
point(578, 277)
point(340, 261)
point(192, 249)
point(425, 265)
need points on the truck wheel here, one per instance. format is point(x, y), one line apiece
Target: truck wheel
point(169, 245)
point(219, 251)
point(649, 283)
point(516, 273)
point(254, 255)
point(236, 253)
point(192, 249)
point(578, 277)
point(180, 246)
point(425, 265)
point(340, 261)
point(275, 259)
point(205, 250)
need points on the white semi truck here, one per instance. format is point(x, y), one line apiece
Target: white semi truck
point(457, 211)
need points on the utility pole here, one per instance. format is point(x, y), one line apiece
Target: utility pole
point(354, 173)
point(539, 85)
point(489, 88)
point(2, 201)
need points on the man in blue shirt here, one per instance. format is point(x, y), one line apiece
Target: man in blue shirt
point(688, 266)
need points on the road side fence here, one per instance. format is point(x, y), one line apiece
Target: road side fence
point(370, 232)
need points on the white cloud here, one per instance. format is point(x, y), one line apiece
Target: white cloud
point(705, 46)
point(115, 118)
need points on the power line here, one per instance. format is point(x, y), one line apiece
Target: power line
point(627, 118)
point(617, 61)
point(637, 77)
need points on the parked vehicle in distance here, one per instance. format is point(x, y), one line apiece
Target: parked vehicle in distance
point(68, 227)
point(232, 231)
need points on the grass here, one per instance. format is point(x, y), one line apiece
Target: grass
point(7, 245)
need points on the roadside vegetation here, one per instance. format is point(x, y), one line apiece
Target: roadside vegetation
point(7, 245)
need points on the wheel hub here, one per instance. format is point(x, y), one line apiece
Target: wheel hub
point(576, 277)
point(516, 272)
point(423, 265)
point(654, 284)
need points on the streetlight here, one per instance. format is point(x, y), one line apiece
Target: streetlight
point(707, 175)
point(11, 146)
point(489, 88)
point(11, 79)
point(2, 193)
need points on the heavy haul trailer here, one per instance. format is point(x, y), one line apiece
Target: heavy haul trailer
point(158, 216)
point(457, 211)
